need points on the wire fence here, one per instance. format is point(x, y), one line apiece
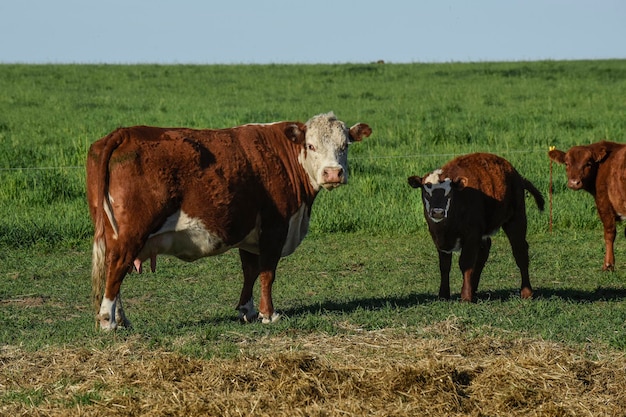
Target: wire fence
point(360, 157)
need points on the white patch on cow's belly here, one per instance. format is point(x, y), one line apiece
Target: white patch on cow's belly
point(184, 237)
point(187, 238)
point(298, 228)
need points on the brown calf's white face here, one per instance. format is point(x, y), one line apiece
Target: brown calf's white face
point(325, 156)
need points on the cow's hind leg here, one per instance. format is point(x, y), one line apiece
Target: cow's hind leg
point(111, 310)
point(516, 233)
point(250, 267)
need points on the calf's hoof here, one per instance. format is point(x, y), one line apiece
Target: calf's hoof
point(526, 293)
point(267, 319)
point(247, 312)
point(608, 267)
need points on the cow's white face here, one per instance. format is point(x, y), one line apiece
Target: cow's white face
point(325, 153)
point(437, 193)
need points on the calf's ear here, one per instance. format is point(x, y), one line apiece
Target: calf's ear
point(599, 154)
point(358, 131)
point(415, 181)
point(296, 133)
point(459, 183)
point(557, 156)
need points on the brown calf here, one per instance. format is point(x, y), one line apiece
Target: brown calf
point(465, 202)
point(193, 193)
point(599, 169)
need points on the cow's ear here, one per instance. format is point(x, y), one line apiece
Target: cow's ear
point(415, 181)
point(358, 131)
point(296, 133)
point(459, 183)
point(557, 156)
point(599, 154)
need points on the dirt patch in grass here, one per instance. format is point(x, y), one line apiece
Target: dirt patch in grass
point(26, 301)
point(441, 372)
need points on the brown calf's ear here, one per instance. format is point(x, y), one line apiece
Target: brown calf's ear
point(358, 131)
point(557, 156)
point(599, 154)
point(459, 183)
point(296, 133)
point(415, 181)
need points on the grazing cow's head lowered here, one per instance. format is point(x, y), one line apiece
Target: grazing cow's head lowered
point(437, 193)
point(325, 154)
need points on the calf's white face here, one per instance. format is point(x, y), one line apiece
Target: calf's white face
point(437, 193)
point(325, 153)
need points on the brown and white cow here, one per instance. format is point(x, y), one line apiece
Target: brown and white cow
point(195, 193)
point(465, 202)
point(599, 169)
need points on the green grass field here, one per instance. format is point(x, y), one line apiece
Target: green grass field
point(368, 263)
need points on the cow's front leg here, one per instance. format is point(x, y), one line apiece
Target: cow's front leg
point(266, 306)
point(467, 264)
point(267, 275)
point(445, 263)
point(250, 267)
point(483, 255)
point(609, 239)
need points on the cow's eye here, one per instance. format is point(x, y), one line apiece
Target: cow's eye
point(311, 147)
point(428, 186)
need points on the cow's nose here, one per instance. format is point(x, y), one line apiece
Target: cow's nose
point(574, 183)
point(437, 213)
point(333, 174)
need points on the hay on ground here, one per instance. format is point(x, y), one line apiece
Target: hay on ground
point(381, 373)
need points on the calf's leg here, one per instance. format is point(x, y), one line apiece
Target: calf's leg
point(610, 231)
point(445, 262)
point(516, 232)
point(483, 255)
point(467, 264)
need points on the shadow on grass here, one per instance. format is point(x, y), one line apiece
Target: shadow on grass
point(410, 300)
point(567, 294)
point(378, 303)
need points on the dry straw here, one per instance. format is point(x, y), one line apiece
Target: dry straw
point(440, 372)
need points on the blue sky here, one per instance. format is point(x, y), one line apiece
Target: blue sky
point(320, 31)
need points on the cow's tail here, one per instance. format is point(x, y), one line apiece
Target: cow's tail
point(103, 208)
point(535, 193)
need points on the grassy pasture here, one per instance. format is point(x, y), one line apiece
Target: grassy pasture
point(365, 278)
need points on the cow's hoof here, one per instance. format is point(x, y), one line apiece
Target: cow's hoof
point(608, 267)
point(526, 293)
point(247, 312)
point(266, 320)
point(105, 322)
point(248, 317)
